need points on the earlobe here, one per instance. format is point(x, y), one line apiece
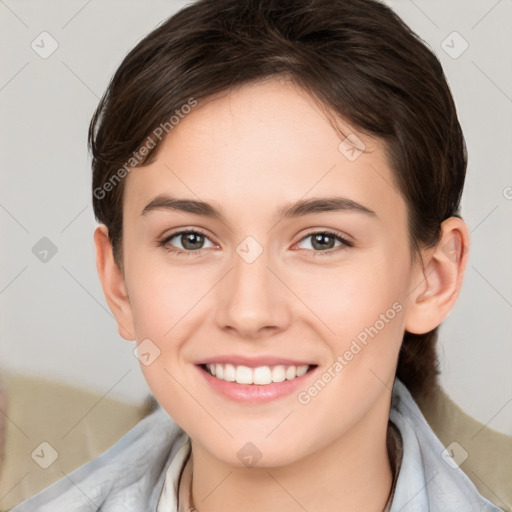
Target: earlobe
point(440, 278)
point(112, 282)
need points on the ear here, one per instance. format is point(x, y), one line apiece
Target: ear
point(438, 282)
point(112, 282)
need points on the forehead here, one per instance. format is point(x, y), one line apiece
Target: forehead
point(261, 145)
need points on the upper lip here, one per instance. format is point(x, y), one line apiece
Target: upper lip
point(253, 362)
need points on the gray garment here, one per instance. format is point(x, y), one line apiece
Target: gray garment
point(129, 477)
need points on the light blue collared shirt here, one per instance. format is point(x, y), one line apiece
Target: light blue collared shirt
point(129, 477)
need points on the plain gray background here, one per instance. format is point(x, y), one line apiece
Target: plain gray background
point(54, 319)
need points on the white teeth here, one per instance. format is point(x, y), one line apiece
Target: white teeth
point(260, 375)
point(291, 372)
point(229, 373)
point(243, 375)
point(301, 370)
point(278, 373)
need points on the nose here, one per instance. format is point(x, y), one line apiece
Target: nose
point(252, 299)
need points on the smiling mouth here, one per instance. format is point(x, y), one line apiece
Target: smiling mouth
point(261, 375)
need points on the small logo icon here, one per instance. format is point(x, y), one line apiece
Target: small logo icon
point(45, 455)
point(351, 147)
point(249, 249)
point(249, 455)
point(146, 352)
point(454, 45)
point(44, 250)
point(44, 45)
point(454, 455)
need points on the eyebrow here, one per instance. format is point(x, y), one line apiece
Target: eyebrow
point(289, 210)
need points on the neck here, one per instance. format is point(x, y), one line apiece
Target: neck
point(352, 473)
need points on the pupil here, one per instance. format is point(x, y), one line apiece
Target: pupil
point(318, 238)
point(189, 240)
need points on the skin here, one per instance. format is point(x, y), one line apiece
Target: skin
point(248, 152)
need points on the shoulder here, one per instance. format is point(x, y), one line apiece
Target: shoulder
point(430, 478)
point(126, 477)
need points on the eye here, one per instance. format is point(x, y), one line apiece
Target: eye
point(323, 242)
point(191, 241)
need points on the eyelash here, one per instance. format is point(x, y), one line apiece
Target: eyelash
point(345, 243)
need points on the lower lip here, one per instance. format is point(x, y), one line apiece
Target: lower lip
point(254, 393)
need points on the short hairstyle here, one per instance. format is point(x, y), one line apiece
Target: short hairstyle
point(356, 57)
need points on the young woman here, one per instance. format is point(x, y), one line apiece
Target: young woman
point(278, 185)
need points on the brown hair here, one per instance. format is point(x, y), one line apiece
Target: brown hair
point(357, 57)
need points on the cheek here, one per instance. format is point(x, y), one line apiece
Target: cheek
point(162, 301)
point(163, 295)
point(351, 296)
point(360, 310)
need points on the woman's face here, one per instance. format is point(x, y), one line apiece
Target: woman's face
point(258, 284)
